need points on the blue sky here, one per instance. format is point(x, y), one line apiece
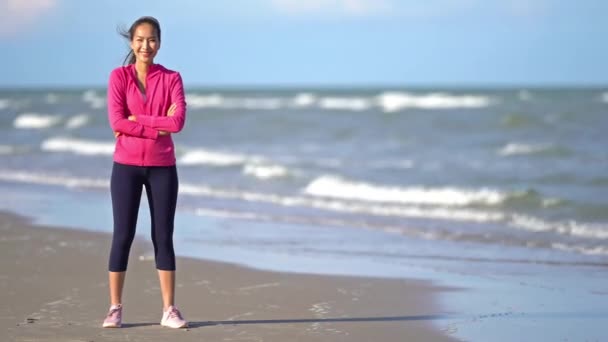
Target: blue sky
point(314, 42)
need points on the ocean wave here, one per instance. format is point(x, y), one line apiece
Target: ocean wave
point(530, 198)
point(204, 101)
point(569, 228)
point(345, 103)
point(515, 149)
point(251, 103)
point(387, 101)
point(331, 205)
point(77, 146)
point(587, 250)
point(50, 179)
point(604, 97)
point(410, 231)
point(396, 101)
point(342, 206)
point(93, 99)
point(5, 103)
point(253, 164)
point(426, 234)
point(254, 103)
point(77, 121)
point(265, 171)
point(35, 121)
point(591, 231)
point(207, 157)
point(219, 101)
point(335, 187)
point(303, 100)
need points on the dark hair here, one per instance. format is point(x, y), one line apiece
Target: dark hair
point(128, 34)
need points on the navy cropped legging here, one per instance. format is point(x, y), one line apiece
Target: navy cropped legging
point(126, 186)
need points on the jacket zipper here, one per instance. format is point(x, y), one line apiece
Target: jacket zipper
point(144, 97)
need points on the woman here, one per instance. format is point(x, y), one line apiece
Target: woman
point(145, 106)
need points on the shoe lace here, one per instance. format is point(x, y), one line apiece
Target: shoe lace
point(113, 311)
point(174, 313)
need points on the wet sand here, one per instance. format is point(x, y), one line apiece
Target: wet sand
point(54, 286)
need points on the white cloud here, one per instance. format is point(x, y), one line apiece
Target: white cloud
point(347, 7)
point(414, 9)
point(18, 15)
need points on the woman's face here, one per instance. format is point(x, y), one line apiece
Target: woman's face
point(145, 43)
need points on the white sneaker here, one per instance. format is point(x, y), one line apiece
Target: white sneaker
point(114, 317)
point(172, 318)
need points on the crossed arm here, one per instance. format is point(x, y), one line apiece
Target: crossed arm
point(170, 112)
point(146, 126)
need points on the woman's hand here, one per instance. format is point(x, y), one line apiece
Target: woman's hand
point(172, 110)
point(162, 133)
point(130, 118)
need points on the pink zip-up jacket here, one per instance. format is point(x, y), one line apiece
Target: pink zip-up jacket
point(139, 142)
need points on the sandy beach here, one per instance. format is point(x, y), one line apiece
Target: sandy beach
point(54, 285)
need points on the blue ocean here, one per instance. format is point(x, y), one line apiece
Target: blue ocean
point(378, 175)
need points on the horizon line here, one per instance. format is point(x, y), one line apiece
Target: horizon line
point(334, 86)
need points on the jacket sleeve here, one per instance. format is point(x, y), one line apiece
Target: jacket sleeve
point(173, 123)
point(117, 113)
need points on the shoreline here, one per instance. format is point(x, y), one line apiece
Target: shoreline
point(221, 300)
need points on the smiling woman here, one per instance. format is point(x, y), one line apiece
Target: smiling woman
point(146, 104)
point(144, 37)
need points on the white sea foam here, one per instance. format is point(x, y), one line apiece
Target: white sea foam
point(225, 102)
point(571, 228)
point(334, 187)
point(207, 157)
point(253, 103)
point(77, 121)
point(331, 205)
point(49, 179)
point(35, 121)
point(588, 250)
point(94, 100)
point(513, 149)
point(204, 101)
point(232, 214)
point(303, 100)
point(299, 101)
point(346, 206)
point(265, 171)
point(387, 101)
point(605, 97)
point(4, 103)
point(78, 146)
point(396, 101)
point(345, 103)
